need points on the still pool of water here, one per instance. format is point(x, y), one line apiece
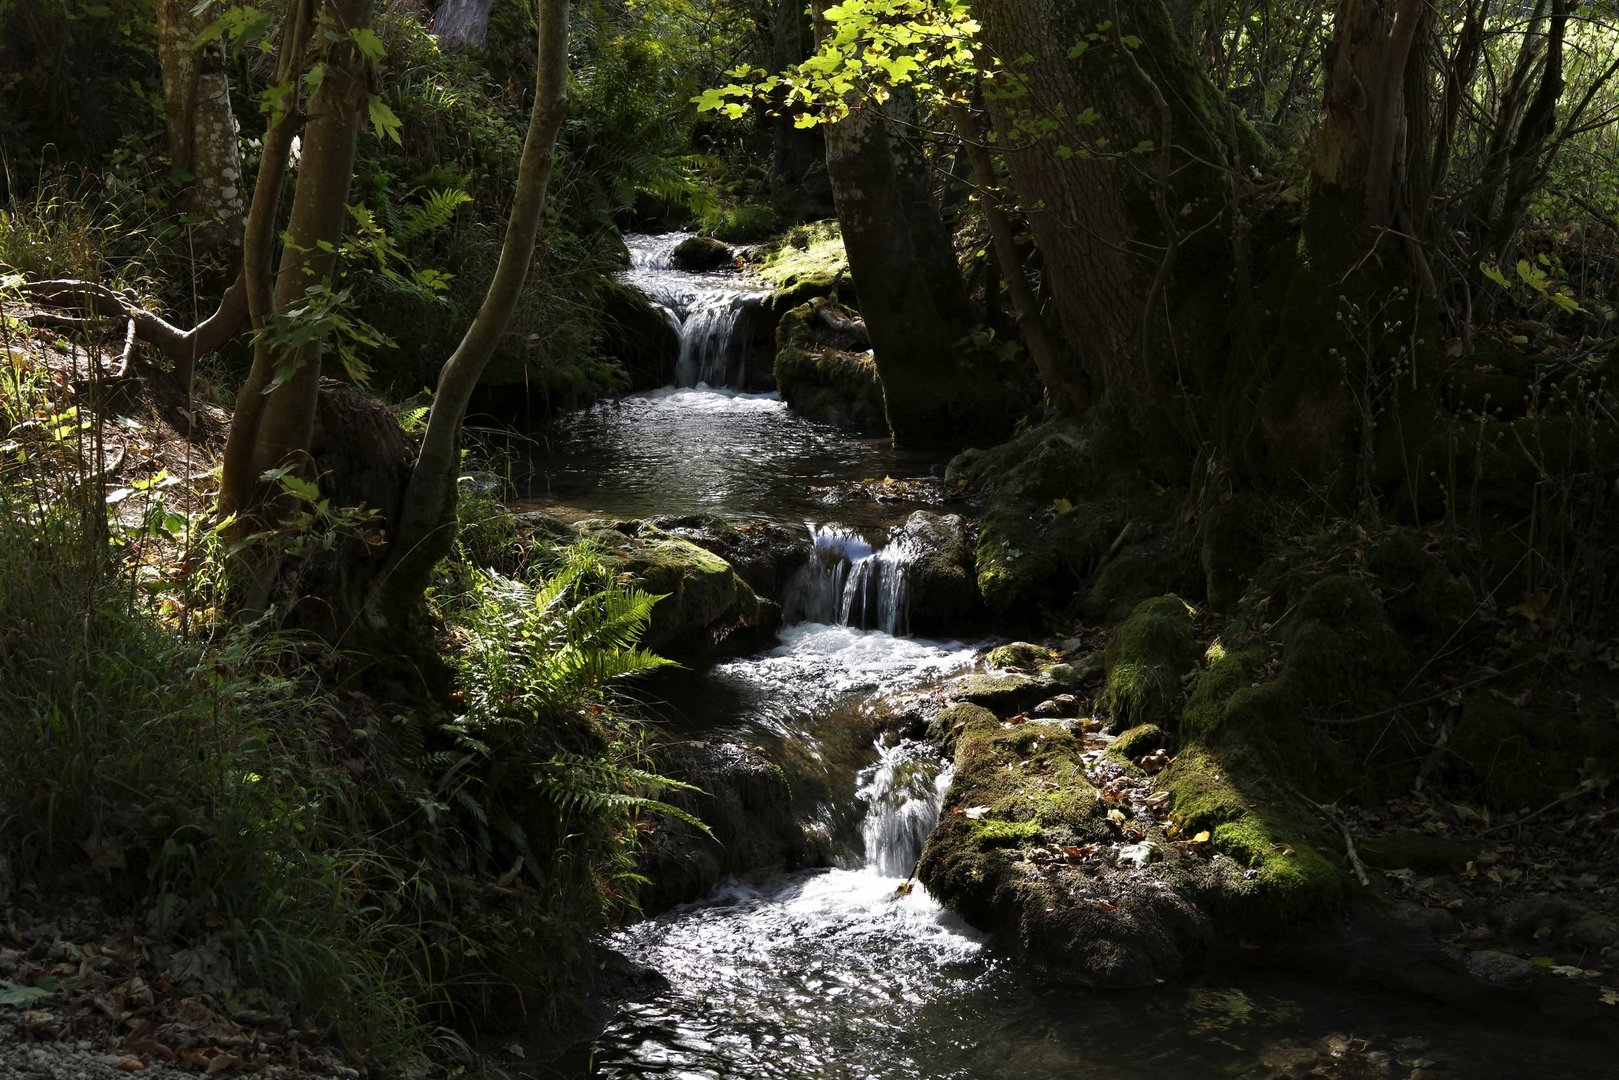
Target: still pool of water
point(746, 457)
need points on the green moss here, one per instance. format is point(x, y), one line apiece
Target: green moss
point(1159, 631)
point(1020, 654)
point(1137, 742)
point(1208, 709)
point(1145, 658)
point(947, 726)
point(996, 834)
point(808, 253)
point(1288, 875)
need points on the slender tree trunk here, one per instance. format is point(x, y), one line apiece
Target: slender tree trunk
point(275, 420)
point(800, 188)
point(201, 128)
point(426, 528)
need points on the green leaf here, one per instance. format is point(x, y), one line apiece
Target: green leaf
point(298, 486)
point(383, 120)
point(20, 996)
point(1493, 272)
point(366, 40)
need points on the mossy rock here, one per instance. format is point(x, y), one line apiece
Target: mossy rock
point(701, 254)
point(1021, 787)
point(946, 726)
point(637, 334)
point(706, 608)
point(1138, 572)
point(834, 387)
point(943, 588)
point(1004, 694)
point(1286, 876)
point(1234, 544)
point(1021, 655)
point(1517, 759)
point(1138, 742)
point(1146, 656)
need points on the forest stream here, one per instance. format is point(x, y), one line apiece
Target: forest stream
point(841, 971)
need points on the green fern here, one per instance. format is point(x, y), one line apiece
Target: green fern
point(435, 211)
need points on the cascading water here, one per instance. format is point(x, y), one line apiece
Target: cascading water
point(708, 311)
point(849, 582)
point(902, 794)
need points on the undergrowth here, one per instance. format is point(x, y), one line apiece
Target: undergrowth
point(391, 870)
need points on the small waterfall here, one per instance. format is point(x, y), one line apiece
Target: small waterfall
point(902, 794)
point(848, 582)
point(710, 312)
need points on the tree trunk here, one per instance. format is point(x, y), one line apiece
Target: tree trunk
point(1122, 152)
point(1065, 383)
point(202, 131)
point(904, 268)
point(800, 188)
point(275, 419)
point(426, 527)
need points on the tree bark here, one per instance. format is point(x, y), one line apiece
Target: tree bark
point(426, 529)
point(275, 419)
point(201, 128)
point(904, 268)
point(1122, 153)
point(1064, 381)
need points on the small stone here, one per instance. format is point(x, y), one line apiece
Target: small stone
point(1137, 856)
point(1499, 968)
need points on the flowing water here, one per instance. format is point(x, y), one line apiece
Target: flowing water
point(708, 310)
point(839, 972)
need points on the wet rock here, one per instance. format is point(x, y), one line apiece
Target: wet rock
point(1499, 968)
point(1023, 850)
point(638, 334)
point(941, 580)
point(825, 370)
point(746, 800)
point(766, 555)
point(700, 254)
point(1061, 705)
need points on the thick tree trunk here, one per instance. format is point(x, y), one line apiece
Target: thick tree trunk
point(904, 268)
point(799, 184)
point(202, 132)
point(1121, 153)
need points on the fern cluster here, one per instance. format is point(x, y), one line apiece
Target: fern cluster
point(544, 765)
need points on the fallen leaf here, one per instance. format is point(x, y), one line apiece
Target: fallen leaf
point(130, 1063)
point(1609, 995)
point(1202, 837)
point(975, 812)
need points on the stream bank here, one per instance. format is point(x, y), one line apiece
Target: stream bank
point(1091, 822)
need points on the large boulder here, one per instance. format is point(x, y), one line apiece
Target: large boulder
point(824, 368)
point(706, 610)
point(639, 334)
point(942, 583)
point(745, 799)
point(766, 555)
point(701, 254)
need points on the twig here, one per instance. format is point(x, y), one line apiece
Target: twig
point(1482, 679)
point(1585, 788)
